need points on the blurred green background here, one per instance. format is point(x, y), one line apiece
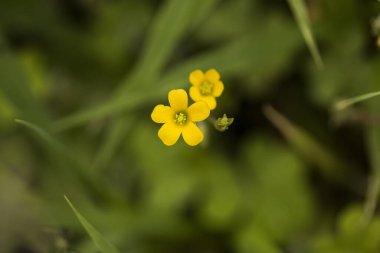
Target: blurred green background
point(82, 77)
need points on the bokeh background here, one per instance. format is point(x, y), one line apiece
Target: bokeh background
point(82, 77)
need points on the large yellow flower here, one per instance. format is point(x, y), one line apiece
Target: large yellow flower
point(206, 86)
point(179, 118)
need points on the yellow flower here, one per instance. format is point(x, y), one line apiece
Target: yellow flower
point(179, 119)
point(206, 86)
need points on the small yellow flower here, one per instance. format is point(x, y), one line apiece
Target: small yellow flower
point(179, 119)
point(206, 86)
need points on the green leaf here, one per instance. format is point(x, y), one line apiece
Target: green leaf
point(300, 13)
point(349, 223)
point(222, 195)
point(275, 179)
point(101, 243)
point(253, 239)
point(351, 235)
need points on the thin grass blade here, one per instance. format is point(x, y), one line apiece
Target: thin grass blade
point(331, 167)
point(299, 11)
point(343, 104)
point(173, 20)
point(373, 146)
point(69, 164)
point(99, 240)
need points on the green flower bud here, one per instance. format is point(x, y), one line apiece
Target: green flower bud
point(223, 123)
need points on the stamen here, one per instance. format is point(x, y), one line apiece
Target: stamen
point(180, 118)
point(206, 88)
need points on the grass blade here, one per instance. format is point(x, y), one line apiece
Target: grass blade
point(373, 144)
point(70, 165)
point(299, 11)
point(115, 136)
point(373, 190)
point(343, 104)
point(48, 140)
point(331, 167)
point(101, 243)
point(168, 27)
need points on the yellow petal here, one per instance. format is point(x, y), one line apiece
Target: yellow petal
point(195, 94)
point(169, 133)
point(210, 101)
point(196, 77)
point(218, 89)
point(199, 111)
point(212, 75)
point(192, 134)
point(178, 100)
point(162, 114)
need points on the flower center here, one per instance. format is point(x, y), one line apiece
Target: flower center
point(180, 118)
point(206, 88)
